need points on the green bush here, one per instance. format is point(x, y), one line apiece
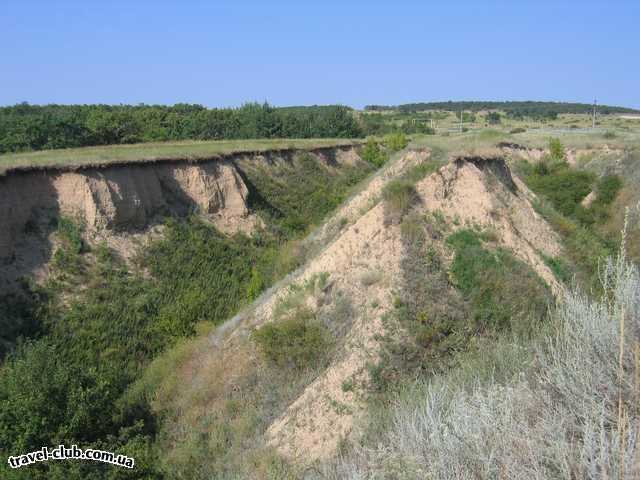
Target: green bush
point(255, 286)
point(67, 257)
point(373, 154)
point(493, 118)
point(607, 189)
point(396, 141)
point(563, 186)
point(493, 282)
point(556, 149)
point(298, 341)
point(399, 195)
point(517, 130)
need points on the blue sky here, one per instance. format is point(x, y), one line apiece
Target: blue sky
point(300, 53)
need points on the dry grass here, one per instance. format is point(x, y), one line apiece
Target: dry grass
point(566, 408)
point(152, 152)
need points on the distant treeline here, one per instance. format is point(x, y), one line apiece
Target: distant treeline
point(25, 127)
point(513, 109)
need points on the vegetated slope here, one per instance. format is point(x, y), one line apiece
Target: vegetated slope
point(296, 373)
point(74, 343)
point(561, 403)
point(589, 195)
point(564, 406)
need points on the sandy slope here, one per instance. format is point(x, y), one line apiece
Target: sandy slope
point(466, 192)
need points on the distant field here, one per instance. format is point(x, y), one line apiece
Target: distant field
point(449, 122)
point(141, 152)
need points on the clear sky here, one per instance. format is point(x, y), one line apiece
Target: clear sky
point(304, 52)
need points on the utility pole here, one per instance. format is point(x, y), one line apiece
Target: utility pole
point(460, 121)
point(593, 121)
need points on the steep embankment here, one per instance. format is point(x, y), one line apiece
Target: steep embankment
point(352, 287)
point(118, 201)
point(366, 264)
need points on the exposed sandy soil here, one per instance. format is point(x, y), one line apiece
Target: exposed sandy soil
point(324, 413)
point(122, 205)
point(478, 192)
point(357, 243)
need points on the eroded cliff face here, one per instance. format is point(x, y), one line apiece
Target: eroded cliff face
point(471, 190)
point(120, 198)
point(129, 199)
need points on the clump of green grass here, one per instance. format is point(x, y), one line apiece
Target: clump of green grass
point(67, 258)
point(399, 195)
point(492, 281)
point(421, 170)
point(296, 342)
point(559, 267)
point(296, 338)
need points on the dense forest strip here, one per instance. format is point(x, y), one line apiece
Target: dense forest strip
point(75, 158)
point(25, 127)
point(513, 109)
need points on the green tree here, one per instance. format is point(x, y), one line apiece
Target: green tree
point(556, 149)
point(372, 153)
point(396, 141)
point(493, 118)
